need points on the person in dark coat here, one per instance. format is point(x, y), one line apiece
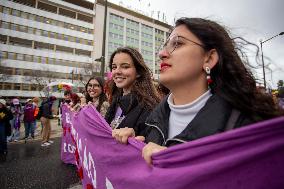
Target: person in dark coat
point(133, 93)
point(5, 127)
point(46, 116)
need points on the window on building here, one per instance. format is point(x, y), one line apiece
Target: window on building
point(60, 36)
point(37, 59)
point(17, 86)
point(5, 25)
point(64, 49)
point(14, 27)
point(84, 18)
point(3, 55)
point(51, 60)
point(66, 37)
point(30, 30)
point(23, 29)
point(16, 12)
point(72, 39)
point(33, 87)
point(3, 39)
point(6, 10)
point(52, 35)
point(47, 7)
point(28, 58)
point(25, 87)
point(20, 57)
point(7, 86)
point(18, 71)
point(45, 33)
point(37, 32)
point(32, 16)
point(11, 56)
point(43, 60)
point(24, 15)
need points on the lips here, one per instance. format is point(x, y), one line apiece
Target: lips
point(164, 66)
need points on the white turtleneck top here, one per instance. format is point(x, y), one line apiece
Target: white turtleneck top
point(182, 115)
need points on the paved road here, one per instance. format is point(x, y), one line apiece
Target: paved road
point(32, 166)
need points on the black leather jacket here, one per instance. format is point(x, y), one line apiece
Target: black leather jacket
point(211, 119)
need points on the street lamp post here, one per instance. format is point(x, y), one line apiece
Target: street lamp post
point(263, 70)
point(102, 58)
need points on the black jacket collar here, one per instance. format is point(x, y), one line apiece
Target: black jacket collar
point(211, 119)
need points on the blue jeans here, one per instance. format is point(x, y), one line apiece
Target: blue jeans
point(29, 129)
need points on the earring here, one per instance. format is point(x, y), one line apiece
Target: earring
point(208, 77)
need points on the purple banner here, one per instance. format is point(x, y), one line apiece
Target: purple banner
point(68, 146)
point(249, 157)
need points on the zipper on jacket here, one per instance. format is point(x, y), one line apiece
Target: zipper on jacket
point(160, 131)
point(176, 139)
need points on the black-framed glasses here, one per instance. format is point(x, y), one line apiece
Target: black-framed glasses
point(174, 41)
point(93, 85)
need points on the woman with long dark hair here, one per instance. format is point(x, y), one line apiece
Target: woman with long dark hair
point(211, 89)
point(133, 93)
point(95, 94)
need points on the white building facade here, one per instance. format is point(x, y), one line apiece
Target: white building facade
point(42, 42)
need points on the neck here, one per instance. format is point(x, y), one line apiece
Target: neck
point(185, 94)
point(95, 99)
point(126, 91)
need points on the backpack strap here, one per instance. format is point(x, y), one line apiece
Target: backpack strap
point(232, 120)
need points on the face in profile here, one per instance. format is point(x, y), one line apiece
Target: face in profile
point(94, 89)
point(182, 58)
point(123, 71)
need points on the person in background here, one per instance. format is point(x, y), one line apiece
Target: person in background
point(17, 111)
point(5, 128)
point(35, 103)
point(75, 102)
point(95, 94)
point(280, 97)
point(45, 120)
point(67, 96)
point(133, 93)
point(29, 119)
point(83, 101)
point(211, 88)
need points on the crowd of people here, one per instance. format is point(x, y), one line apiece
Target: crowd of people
point(204, 88)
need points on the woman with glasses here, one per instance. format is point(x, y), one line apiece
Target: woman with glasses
point(95, 94)
point(133, 93)
point(211, 88)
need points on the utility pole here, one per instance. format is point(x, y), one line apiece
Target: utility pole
point(102, 59)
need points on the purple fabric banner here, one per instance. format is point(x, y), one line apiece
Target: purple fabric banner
point(67, 144)
point(250, 157)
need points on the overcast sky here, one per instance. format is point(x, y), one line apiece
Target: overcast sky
point(251, 19)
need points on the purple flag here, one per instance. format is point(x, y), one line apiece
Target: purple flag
point(67, 144)
point(249, 157)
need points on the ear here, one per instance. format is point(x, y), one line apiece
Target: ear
point(212, 59)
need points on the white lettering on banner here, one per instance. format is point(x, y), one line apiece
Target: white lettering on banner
point(108, 184)
point(70, 148)
point(67, 118)
point(89, 166)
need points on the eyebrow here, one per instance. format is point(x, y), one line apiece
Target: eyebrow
point(121, 63)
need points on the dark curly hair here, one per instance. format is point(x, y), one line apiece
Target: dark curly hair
point(102, 97)
point(143, 87)
point(232, 80)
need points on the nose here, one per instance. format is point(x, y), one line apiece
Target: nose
point(163, 54)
